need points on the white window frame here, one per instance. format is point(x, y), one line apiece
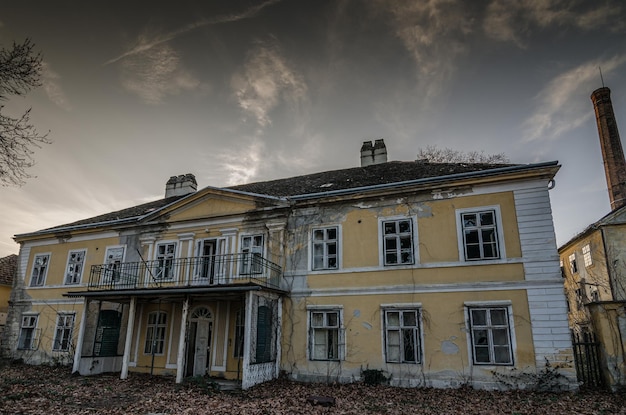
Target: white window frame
point(324, 243)
point(249, 264)
point(168, 259)
point(573, 264)
point(491, 305)
point(587, 259)
point(499, 229)
point(29, 322)
point(417, 333)
point(63, 332)
point(325, 328)
point(153, 329)
point(75, 266)
point(41, 276)
point(113, 264)
point(383, 241)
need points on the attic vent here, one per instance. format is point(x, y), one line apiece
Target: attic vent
point(326, 185)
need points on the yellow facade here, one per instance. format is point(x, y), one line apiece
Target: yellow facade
point(235, 285)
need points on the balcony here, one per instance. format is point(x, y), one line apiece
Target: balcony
point(205, 271)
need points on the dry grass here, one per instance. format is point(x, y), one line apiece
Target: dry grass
point(53, 390)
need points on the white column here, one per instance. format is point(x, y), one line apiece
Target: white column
point(129, 335)
point(245, 376)
point(81, 335)
point(180, 369)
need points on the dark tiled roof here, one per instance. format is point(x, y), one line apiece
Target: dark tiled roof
point(128, 213)
point(8, 269)
point(377, 174)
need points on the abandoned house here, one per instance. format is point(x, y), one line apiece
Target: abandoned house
point(437, 274)
point(594, 268)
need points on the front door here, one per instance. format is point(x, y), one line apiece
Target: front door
point(199, 346)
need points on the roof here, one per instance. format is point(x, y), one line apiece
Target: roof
point(614, 217)
point(8, 269)
point(316, 184)
point(374, 175)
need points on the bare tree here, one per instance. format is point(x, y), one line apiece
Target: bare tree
point(435, 154)
point(20, 72)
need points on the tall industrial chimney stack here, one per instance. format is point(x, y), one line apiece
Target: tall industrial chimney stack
point(612, 153)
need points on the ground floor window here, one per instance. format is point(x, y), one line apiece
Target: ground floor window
point(63, 332)
point(155, 333)
point(27, 332)
point(324, 336)
point(402, 336)
point(240, 328)
point(491, 335)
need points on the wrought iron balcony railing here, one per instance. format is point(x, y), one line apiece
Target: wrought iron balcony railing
point(213, 270)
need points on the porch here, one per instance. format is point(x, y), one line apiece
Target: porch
point(203, 271)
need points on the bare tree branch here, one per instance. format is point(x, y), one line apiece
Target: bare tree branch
point(435, 154)
point(20, 72)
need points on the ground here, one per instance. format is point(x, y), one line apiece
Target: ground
point(28, 389)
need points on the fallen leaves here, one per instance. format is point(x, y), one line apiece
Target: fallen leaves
point(28, 389)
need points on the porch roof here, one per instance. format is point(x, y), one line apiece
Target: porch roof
point(221, 291)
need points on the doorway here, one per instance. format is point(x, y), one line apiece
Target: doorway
point(199, 342)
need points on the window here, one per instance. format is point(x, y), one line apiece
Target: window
point(402, 336)
point(239, 333)
point(480, 235)
point(587, 255)
point(40, 269)
point(580, 298)
point(398, 242)
point(113, 263)
point(324, 334)
point(74, 271)
point(155, 333)
point(63, 333)
point(165, 255)
point(491, 337)
point(325, 248)
point(252, 254)
point(573, 267)
point(27, 332)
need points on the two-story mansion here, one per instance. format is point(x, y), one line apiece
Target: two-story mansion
point(438, 274)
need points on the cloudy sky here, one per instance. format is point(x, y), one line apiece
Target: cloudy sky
point(252, 90)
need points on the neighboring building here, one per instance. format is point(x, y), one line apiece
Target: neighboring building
point(8, 269)
point(437, 274)
point(594, 264)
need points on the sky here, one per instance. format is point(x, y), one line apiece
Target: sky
point(251, 90)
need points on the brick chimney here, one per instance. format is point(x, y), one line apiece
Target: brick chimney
point(373, 154)
point(181, 185)
point(611, 146)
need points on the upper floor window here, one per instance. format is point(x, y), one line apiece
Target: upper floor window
point(587, 255)
point(155, 333)
point(324, 334)
point(398, 241)
point(252, 254)
point(28, 328)
point(491, 335)
point(325, 248)
point(75, 264)
point(573, 266)
point(63, 332)
point(165, 255)
point(40, 270)
point(402, 336)
point(480, 235)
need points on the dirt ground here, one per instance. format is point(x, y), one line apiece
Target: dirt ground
point(28, 389)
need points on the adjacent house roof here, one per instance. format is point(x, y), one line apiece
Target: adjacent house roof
point(614, 217)
point(357, 178)
point(8, 269)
